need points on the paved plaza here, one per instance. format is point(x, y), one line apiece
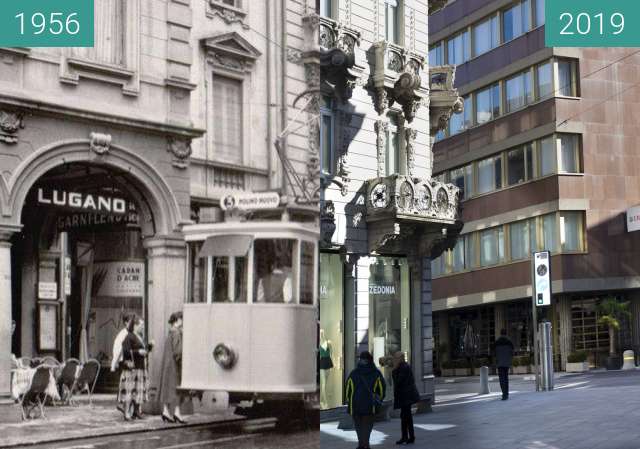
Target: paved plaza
point(589, 411)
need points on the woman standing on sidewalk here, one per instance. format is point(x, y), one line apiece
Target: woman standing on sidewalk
point(405, 394)
point(133, 381)
point(171, 372)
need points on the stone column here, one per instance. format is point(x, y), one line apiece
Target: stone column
point(499, 318)
point(564, 322)
point(5, 313)
point(166, 267)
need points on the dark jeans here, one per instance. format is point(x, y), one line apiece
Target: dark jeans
point(406, 419)
point(364, 426)
point(503, 374)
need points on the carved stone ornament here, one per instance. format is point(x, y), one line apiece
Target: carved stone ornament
point(381, 127)
point(396, 77)
point(228, 13)
point(444, 99)
point(410, 138)
point(10, 124)
point(327, 223)
point(181, 150)
point(100, 143)
point(230, 51)
point(338, 44)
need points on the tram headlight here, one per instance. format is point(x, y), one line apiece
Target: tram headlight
point(224, 356)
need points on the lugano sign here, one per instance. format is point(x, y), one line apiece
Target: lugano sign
point(82, 201)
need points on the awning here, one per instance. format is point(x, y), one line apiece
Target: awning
point(226, 245)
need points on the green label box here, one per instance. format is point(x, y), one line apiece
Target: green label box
point(46, 23)
point(592, 23)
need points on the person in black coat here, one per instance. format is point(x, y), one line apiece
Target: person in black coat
point(504, 357)
point(365, 390)
point(405, 394)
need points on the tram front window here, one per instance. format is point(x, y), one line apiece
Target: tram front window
point(228, 279)
point(307, 272)
point(273, 275)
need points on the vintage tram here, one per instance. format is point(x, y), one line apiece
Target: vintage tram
point(250, 322)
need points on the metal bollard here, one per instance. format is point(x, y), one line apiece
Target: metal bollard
point(629, 360)
point(484, 380)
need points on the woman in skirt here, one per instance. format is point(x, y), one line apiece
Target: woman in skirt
point(133, 380)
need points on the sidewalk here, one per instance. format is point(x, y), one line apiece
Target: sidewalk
point(577, 417)
point(100, 419)
point(494, 378)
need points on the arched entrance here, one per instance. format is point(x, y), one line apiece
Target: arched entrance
point(96, 229)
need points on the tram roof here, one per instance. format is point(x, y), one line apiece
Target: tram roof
point(257, 229)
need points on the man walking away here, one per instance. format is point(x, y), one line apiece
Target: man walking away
point(504, 357)
point(405, 394)
point(365, 392)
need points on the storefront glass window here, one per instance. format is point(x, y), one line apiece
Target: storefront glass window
point(389, 313)
point(330, 356)
point(518, 323)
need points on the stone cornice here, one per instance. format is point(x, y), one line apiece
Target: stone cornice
point(19, 101)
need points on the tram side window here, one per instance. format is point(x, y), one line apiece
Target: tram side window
point(273, 275)
point(228, 279)
point(307, 286)
point(198, 274)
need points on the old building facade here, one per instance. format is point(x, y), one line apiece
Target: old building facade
point(382, 214)
point(545, 155)
point(106, 153)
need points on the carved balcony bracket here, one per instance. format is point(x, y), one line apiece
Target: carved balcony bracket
point(444, 98)
point(100, 143)
point(338, 45)
point(327, 223)
point(181, 151)
point(396, 78)
point(10, 124)
point(429, 208)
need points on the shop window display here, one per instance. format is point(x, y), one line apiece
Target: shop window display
point(330, 351)
point(389, 313)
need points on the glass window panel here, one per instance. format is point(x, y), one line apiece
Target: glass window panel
point(520, 240)
point(326, 142)
point(457, 264)
point(488, 104)
point(227, 119)
point(485, 36)
point(547, 156)
point(458, 49)
point(549, 232)
point(539, 12)
point(516, 166)
point(515, 21)
point(568, 153)
point(307, 271)
point(489, 174)
point(565, 79)
point(528, 153)
point(470, 251)
point(436, 55)
point(515, 93)
point(391, 21)
point(392, 158)
point(491, 246)
point(533, 236)
point(570, 231)
point(545, 81)
point(495, 101)
point(436, 266)
point(325, 8)
point(456, 124)
point(463, 178)
point(528, 87)
point(468, 112)
point(273, 270)
point(497, 172)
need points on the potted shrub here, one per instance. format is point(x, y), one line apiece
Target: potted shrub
point(611, 312)
point(447, 369)
point(577, 362)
